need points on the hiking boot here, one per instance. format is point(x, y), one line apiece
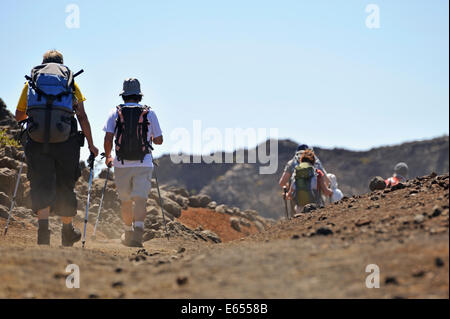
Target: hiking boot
point(70, 235)
point(136, 240)
point(133, 238)
point(43, 237)
point(126, 238)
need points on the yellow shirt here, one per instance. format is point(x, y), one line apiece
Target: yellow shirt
point(22, 105)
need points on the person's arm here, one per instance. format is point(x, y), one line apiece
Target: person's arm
point(320, 166)
point(20, 115)
point(284, 180)
point(327, 180)
point(108, 144)
point(287, 173)
point(21, 109)
point(323, 186)
point(155, 129)
point(85, 126)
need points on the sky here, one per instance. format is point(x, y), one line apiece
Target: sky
point(312, 70)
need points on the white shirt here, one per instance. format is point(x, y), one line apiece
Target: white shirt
point(154, 130)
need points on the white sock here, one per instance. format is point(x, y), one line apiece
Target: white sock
point(128, 228)
point(139, 224)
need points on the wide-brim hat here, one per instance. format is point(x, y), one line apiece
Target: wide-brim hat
point(131, 86)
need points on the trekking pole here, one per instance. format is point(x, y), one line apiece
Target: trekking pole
point(285, 201)
point(160, 201)
point(101, 200)
point(90, 161)
point(13, 200)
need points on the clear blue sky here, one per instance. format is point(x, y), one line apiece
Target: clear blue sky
point(312, 69)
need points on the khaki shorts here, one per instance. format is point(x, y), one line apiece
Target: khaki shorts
point(133, 182)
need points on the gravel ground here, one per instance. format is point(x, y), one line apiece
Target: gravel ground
point(322, 254)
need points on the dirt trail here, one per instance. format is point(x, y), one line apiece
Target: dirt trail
point(322, 254)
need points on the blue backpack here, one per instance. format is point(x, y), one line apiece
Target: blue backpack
point(49, 104)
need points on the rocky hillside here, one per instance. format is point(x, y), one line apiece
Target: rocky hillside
point(176, 200)
point(353, 169)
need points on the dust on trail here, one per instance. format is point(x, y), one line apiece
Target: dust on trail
point(322, 254)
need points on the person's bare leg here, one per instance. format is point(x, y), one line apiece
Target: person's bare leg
point(139, 212)
point(127, 217)
point(66, 220)
point(43, 213)
point(127, 212)
point(139, 218)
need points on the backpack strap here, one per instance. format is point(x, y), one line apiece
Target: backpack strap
point(118, 130)
point(143, 124)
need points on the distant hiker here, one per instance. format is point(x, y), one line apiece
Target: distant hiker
point(134, 127)
point(48, 103)
point(292, 163)
point(400, 175)
point(337, 193)
point(308, 182)
point(285, 180)
point(289, 170)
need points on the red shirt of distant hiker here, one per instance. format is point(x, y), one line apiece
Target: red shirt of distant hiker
point(400, 175)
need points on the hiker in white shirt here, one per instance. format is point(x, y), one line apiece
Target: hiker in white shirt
point(135, 128)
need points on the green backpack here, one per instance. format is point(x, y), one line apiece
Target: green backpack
point(304, 174)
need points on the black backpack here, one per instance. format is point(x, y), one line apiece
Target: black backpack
point(131, 133)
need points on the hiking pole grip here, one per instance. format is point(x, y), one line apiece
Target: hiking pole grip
point(109, 165)
point(91, 160)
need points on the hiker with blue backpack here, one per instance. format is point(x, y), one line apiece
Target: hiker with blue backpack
point(48, 104)
point(135, 127)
